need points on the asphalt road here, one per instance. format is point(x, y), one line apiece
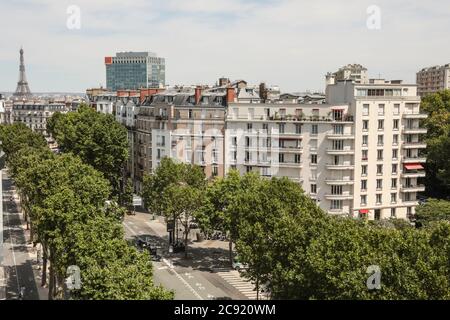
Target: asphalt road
point(190, 280)
point(18, 261)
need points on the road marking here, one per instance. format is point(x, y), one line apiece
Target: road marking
point(182, 280)
point(170, 265)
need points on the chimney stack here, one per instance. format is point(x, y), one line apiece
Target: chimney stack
point(198, 95)
point(263, 92)
point(231, 95)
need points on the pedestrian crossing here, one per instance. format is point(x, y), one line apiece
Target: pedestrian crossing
point(243, 286)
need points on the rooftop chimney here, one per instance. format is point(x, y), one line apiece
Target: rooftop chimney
point(231, 95)
point(263, 92)
point(198, 95)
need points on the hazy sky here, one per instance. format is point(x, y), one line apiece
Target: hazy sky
point(290, 43)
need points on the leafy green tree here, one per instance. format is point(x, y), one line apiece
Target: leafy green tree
point(17, 136)
point(437, 106)
point(432, 210)
point(96, 138)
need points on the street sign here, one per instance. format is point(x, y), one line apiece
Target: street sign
point(170, 226)
point(137, 201)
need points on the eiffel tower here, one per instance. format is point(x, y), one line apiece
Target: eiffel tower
point(22, 90)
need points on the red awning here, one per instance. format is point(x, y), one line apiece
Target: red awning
point(364, 211)
point(413, 166)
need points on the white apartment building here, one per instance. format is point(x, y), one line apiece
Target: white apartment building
point(357, 155)
point(433, 79)
point(35, 113)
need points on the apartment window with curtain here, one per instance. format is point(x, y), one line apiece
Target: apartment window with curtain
point(365, 125)
point(364, 170)
point(363, 185)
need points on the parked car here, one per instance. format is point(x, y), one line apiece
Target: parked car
point(238, 265)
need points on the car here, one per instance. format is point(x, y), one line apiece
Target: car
point(238, 265)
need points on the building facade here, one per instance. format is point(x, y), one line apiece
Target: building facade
point(353, 72)
point(433, 79)
point(35, 113)
point(135, 70)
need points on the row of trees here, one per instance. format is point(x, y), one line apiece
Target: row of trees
point(296, 250)
point(65, 201)
point(99, 141)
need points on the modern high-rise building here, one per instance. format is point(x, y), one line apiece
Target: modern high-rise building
point(135, 70)
point(433, 79)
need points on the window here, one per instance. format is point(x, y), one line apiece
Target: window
point(234, 141)
point(381, 109)
point(364, 170)
point(379, 184)
point(393, 197)
point(379, 198)
point(190, 113)
point(314, 159)
point(380, 124)
point(336, 204)
point(365, 141)
point(395, 154)
point(247, 156)
point(248, 142)
point(265, 126)
point(298, 128)
point(314, 129)
point(249, 126)
point(297, 158)
point(380, 140)
point(379, 154)
point(234, 155)
point(281, 157)
point(394, 168)
point(365, 155)
point(379, 169)
point(365, 125)
point(393, 213)
point(338, 129)
point(395, 139)
point(395, 124)
point(393, 183)
point(363, 185)
point(336, 190)
point(313, 188)
point(363, 200)
point(249, 169)
point(337, 114)
point(281, 127)
point(396, 109)
point(365, 110)
point(338, 144)
point(215, 171)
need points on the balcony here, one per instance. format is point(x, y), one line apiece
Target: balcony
point(414, 160)
point(413, 188)
point(340, 136)
point(415, 115)
point(288, 149)
point(416, 130)
point(344, 151)
point(287, 135)
point(340, 181)
point(414, 145)
point(413, 174)
point(344, 166)
point(344, 196)
point(289, 165)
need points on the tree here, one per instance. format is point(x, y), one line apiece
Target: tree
point(432, 210)
point(217, 212)
point(437, 106)
point(176, 191)
point(96, 138)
